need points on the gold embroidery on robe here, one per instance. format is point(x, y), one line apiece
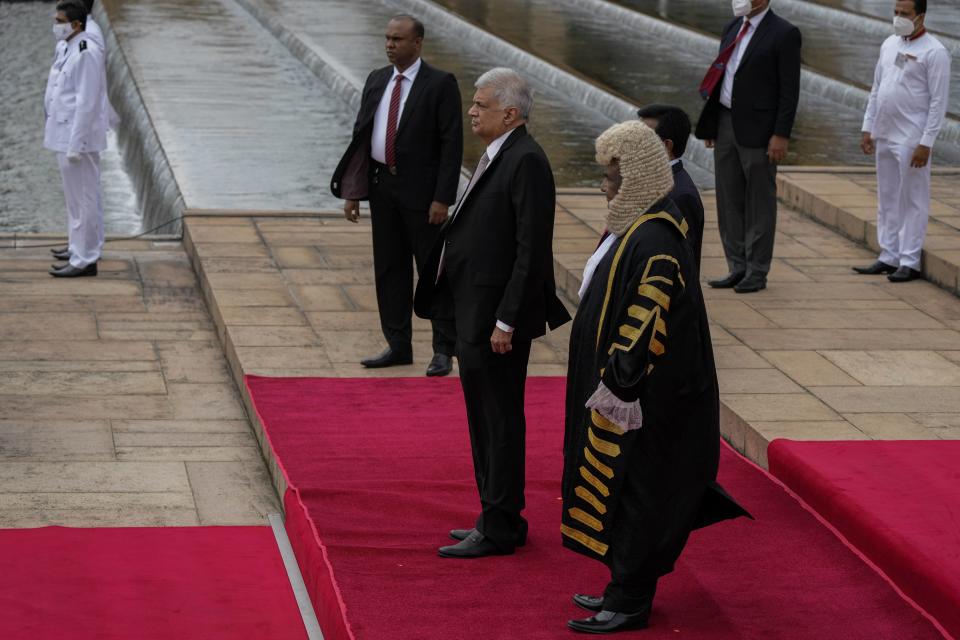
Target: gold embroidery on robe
point(582, 516)
point(602, 423)
point(603, 446)
point(596, 464)
point(594, 481)
point(590, 543)
point(590, 499)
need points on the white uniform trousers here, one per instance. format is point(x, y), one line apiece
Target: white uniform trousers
point(81, 188)
point(903, 199)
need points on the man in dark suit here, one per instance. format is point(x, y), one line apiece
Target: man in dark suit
point(492, 270)
point(405, 158)
point(752, 91)
point(672, 125)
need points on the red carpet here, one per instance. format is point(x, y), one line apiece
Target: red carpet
point(380, 469)
point(198, 583)
point(897, 502)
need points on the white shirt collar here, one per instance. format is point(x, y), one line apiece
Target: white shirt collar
point(410, 73)
point(674, 161)
point(757, 19)
point(494, 147)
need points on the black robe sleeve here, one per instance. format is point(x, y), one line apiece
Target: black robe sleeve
point(642, 326)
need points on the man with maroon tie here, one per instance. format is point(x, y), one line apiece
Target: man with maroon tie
point(751, 89)
point(405, 159)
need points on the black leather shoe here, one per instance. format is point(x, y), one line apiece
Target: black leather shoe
point(474, 545)
point(728, 281)
point(610, 622)
point(60, 250)
point(388, 358)
point(750, 284)
point(440, 365)
point(904, 274)
point(875, 268)
point(70, 271)
point(590, 603)
point(61, 254)
point(461, 534)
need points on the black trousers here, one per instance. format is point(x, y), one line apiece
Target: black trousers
point(493, 390)
point(398, 234)
point(746, 201)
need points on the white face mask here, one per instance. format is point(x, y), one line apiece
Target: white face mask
point(903, 27)
point(62, 30)
point(741, 7)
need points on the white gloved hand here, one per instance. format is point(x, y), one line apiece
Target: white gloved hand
point(626, 415)
point(73, 156)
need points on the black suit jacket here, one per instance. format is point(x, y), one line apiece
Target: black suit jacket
point(766, 86)
point(429, 145)
point(498, 261)
point(687, 199)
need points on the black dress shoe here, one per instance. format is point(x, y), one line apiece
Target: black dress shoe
point(70, 271)
point(474, 545)
point(728, 281)
point(904, 274)
point(440, 365)
point(752, 283)
point(387, 358)
point(590, 603)
point(61, 254)
point(60, 250)
point(610, 622)
point(876, 268)
point(461, 534)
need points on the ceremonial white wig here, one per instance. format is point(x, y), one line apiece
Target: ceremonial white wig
point(644, 167)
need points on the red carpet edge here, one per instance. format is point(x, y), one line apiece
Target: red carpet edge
point(314, 562)
point(842, 538)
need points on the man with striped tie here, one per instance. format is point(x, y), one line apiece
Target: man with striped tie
point(405, 159)
point(752, 90)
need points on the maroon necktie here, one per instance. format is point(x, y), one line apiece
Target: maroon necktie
point(716, 70)
point(388, 149)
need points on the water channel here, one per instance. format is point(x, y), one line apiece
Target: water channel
point(243, 124)
point(836, 43)
point(655, 69)
point(31, 196)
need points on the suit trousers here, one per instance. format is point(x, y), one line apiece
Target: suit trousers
point(401, 237)
point(493, 391)
point(903, 204)
point(746, 200)
point(81, 189)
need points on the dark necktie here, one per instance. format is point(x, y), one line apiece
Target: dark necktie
point(719, 66)
point(389, 151)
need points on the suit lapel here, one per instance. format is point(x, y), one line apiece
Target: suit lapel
point(765, 26)
point(517, 133)
point(423, 77)
point(378, 86)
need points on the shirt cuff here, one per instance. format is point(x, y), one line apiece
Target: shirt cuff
point(503, 326)
point(928, 140)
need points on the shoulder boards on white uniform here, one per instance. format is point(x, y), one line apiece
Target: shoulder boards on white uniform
point(83, 45)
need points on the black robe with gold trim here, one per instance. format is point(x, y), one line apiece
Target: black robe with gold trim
point(632, 498)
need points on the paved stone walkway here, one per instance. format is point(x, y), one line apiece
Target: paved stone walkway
point(845, 200)
point(116, 407)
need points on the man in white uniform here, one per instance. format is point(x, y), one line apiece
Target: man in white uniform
point(907, 107)
point(76, 108)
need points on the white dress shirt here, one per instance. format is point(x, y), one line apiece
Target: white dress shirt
point(726, 89)
point(911, 89)
point(378, 143)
